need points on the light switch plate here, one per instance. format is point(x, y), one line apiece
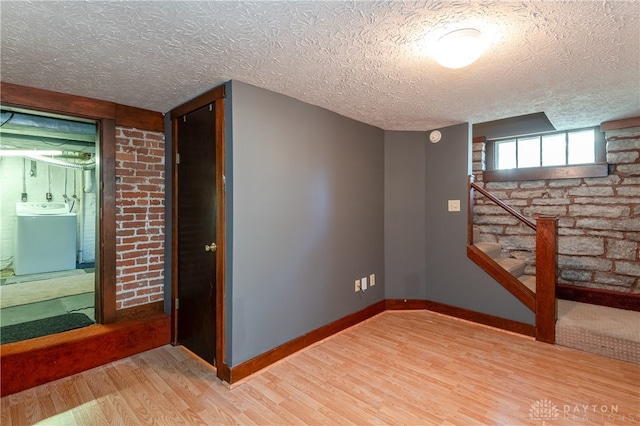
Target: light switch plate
point(454, 205)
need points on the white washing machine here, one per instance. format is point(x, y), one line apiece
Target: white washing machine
point(45, 238)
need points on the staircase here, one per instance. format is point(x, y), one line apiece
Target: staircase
point(513, 266)
point(590, 328)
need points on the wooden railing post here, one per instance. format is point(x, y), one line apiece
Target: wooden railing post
point(546, 271)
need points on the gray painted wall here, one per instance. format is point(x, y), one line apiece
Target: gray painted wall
point(307, 191)
point(452, 278)
point(425, 245)
point(404, 213)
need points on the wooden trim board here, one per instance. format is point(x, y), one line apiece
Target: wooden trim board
point(140, 311)
point(264, 360)
point(79, 106)
point(624, 123)
point(596, 296)
point(508, 281)
point(30, 363)
point(461, 313)
point(127, 116)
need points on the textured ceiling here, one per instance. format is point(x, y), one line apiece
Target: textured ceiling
point(578, 61)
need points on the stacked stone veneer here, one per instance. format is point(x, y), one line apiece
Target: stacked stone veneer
point(598, 218)
point(140, 224)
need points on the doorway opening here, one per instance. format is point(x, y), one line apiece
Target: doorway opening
point(198, 228)
point(49, 221)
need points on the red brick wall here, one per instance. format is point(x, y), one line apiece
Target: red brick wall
point(598, 218)
point(140, 222)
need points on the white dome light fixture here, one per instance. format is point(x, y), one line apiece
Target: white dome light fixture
point(459, 48)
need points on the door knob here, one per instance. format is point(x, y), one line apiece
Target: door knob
point(211, 247)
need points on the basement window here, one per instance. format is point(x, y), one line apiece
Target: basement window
point(551, 155)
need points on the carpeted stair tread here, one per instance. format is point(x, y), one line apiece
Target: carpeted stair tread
point(529, 281)
point(599, 329)
point(493, 250)
point(514, 266)
point(590, 328)
point(602, 320)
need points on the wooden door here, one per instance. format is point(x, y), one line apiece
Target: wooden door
point(197, 250)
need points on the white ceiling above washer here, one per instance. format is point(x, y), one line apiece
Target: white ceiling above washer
point(578, 61)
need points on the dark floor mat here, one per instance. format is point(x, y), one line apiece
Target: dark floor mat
point(43, 327)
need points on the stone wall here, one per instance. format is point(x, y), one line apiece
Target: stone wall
point(598, 218)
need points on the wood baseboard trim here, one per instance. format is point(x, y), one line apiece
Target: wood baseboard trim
point(465, 314)
point(264, 360)
point(30, 363)
point(405, 304)
point(245, 369)
point(54, 357)
point(225, 373)
point(595, 296)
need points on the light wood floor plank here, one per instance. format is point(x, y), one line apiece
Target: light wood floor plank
point(397, 368)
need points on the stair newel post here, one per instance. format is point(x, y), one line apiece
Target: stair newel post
point(546, 273)
point(470, 212)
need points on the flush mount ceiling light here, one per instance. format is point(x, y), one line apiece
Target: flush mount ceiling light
point(459, 48)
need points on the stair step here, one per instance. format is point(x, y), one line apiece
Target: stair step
point(493, 250)
point(514, 266)
point(529, 281)
point(599, 329)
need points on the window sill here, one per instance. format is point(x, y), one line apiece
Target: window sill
point(539, 173)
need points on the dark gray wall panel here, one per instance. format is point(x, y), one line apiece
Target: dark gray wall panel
point(451, 277)
point(404, 224)
point(308, 208)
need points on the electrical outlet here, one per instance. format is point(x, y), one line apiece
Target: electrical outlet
point(372, 280)
point(364, 283)
point(357, 289)
point(454, 205)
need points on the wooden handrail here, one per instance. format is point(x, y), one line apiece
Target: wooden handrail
point(504, 206)
point(508, 281)
point(543, 301)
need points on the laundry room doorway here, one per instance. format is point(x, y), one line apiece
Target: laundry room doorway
point(49, 207)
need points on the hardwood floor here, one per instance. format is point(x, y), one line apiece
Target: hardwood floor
point(408, 367)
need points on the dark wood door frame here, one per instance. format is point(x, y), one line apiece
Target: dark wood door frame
point(104, 113)
point(108, 115)
point(216, 97)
